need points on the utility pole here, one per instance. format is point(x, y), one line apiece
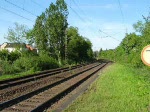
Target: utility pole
point(66, 49)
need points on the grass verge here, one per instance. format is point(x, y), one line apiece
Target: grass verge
point(17, 75)
point(119, 89)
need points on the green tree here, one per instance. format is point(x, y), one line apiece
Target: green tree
point(17, 34)
point(130, 43)
point(57, 25)
point(50, 29)
point(40, 34)
point(79, 49)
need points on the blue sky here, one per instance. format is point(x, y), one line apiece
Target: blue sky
point(90, 16)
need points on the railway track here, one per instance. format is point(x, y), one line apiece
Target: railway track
point(51, 89)
point(17, 81)
point(36, 85)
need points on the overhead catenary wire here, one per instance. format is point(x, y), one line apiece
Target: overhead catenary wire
point(37, 4)
point(20, 8)
point(81, 10)
point(16, 14)
point(122, 15)
point(109, 36)
point(82, 19)
point(76, 13)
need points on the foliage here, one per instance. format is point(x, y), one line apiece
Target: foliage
point(17, 34)
point(25, 63)
point(79, 48)
point(7, 67)
point(49, 30)
point(4, 54)
point(45, 62)
point(36, 63)
point(31, 63)
point(9, 56)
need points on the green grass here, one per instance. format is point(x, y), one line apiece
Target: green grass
point(119, 89)
point(11, 76)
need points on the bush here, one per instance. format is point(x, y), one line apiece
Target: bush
point(6, 67)
point(10, 56)
point(13, 56)
point(26, 63)
point(4, 54)
point(35, 63)
point(45, 62)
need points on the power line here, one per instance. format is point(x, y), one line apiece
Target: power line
point(121, 10)
point(81, 10)
point(16, 14)
point(37, 4)
point(20, 8)
point(122, 15)
point(78, 7)
point(76, 13)
point(84, 20)
point(109, 36)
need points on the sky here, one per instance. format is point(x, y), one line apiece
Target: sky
point(103, 22)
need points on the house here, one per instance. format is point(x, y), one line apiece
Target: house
point(17, 46)
point(30, 48)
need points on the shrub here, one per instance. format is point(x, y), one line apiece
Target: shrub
point(45, 62)
point(4, 54)
point(7, 67)
point(35, 63)
point(25, 64)
point(13, 56)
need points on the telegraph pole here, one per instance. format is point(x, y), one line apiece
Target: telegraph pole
point(66, 48)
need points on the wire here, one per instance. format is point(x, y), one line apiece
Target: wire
point(16, 14)
point(76, 13)
point(109, 35)
point(37, 4)
point(20, 8)
point(121, 10)
point(78, 7)
point(81, 10)
point(122, 15)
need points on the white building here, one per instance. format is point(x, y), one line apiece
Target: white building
point(17, 46)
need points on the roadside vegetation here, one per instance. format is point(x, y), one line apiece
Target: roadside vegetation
point(57, 43)
point(120, 88)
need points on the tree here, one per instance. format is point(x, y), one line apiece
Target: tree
point(40, 34)
point(130, 42)
point(17, 34)
point(57, 25)
point(79, 49)
point(50, 29)
point(72, 32)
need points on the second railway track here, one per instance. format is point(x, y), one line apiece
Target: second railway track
point(42, 97)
